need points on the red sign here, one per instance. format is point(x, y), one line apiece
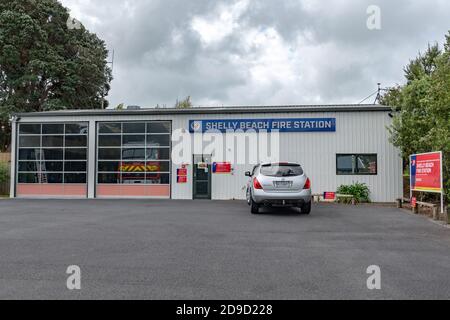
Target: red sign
point(414, 202)
point(182, 179)
point(426, 172)
point(222, 167)
point(182, 172)
point(329, 195)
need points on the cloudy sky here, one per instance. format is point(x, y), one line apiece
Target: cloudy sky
point(258, 52)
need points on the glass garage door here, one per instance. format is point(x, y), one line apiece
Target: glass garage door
point(52, 160)
point(133, 159)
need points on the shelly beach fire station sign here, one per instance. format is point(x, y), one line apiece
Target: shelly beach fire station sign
point(426, 174)
point(267, 125)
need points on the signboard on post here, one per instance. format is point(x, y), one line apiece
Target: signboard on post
point(329, 195)
point(426, 174)
point(222, 167)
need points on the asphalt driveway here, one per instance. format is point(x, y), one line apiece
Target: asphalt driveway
point(157, 249)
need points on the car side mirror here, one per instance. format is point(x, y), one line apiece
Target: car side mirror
point(248, 174)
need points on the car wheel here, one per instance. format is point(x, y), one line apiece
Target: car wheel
point(254, 207)
point(306, 208)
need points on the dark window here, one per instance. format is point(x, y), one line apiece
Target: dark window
point(74, 178)
point(134, 150)
point(133, 154)
point(109, 154)
point(30, 141)
point(75, 154)
point(104, 178)
point(133, 140)
point(76, 128)
point(78, 166)
point(133, 127)
point(108, 166)
point(281, 170)
point(52, 154)
point(28, 166)
point(52, 166)
point(356, 164)
point(29, 154)
point(345, 164)
point(52, 129)
point(52, 141)
point(132, 178)
point(110, 128)
point(158, 140)
point(76, 141)
point(110, 141)
point(30, 129)
point(52, 178)
point(158, 154)
point(162, 178)
point(158, 127)
point(28, 178)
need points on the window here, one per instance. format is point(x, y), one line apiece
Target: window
point(54, 153)
point(356, 164)
point(281, 170)
point(134, 152)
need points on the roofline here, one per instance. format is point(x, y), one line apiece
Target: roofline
point(211, 110)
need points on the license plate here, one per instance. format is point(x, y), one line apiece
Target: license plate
point(283, 184)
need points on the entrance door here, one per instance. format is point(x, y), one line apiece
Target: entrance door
point(202, 177)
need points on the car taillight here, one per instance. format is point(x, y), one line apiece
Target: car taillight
point(307, 184)
point(256, 184)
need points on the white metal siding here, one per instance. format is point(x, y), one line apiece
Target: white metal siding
point(356, 132)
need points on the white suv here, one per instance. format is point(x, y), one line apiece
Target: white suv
point(278, 184)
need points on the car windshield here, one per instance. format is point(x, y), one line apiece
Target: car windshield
point(281, 170)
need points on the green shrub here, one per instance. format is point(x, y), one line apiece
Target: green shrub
point(4, 172)
point(358, 190)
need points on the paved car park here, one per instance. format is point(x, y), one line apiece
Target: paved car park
point(163, 249)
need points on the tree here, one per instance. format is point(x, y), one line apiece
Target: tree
point(422, 107)
point(184, 104)
point(46, 62)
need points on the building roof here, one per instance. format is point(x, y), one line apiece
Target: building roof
point(212, 110)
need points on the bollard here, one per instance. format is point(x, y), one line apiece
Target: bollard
point(448, 215)
point(435, 213)
point(353, 201)
point(399, 203)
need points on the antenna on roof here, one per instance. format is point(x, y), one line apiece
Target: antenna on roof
point(377, 93)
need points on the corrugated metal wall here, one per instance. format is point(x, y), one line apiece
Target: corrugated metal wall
point(357, 132)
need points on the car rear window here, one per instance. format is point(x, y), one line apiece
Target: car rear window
point(281, 170)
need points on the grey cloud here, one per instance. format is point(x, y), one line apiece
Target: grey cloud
point(337, 60)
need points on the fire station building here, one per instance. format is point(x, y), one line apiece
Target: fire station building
point(130, 153)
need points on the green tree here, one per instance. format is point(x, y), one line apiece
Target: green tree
point(184, 104)
point(46, 62)
point(422, 107)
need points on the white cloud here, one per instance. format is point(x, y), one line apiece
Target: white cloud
point(220, 23)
